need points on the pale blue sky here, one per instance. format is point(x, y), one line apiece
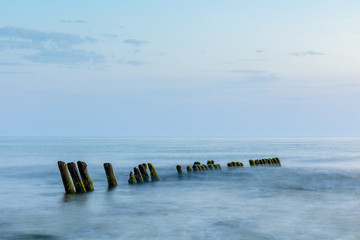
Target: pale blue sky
point(180, 68)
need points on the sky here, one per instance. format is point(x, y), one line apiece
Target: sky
point(204, 68)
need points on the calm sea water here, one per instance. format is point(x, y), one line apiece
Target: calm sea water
point(314, 195)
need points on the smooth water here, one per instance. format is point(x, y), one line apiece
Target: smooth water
point(314, 195)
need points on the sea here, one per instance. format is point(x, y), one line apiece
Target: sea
point(315, 194)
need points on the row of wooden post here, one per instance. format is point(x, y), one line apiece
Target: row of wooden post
point(266, 162)
point(197, 167)
point(83, 183)
point(140, 174)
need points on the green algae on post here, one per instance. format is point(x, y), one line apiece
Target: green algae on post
point(211, 167)
point(205, 167)
point(68, 186)
point(153, 173)
point(251, 162)
point(139, 178)
point(132, 179)
point(85, 176)
point(110, 175)
point(197, 163)
point(217, 166)
point(144, 174)
point(179, 169)
point(189, 169)
point(79, 186)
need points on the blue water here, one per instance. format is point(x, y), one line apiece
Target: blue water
point(314, 195)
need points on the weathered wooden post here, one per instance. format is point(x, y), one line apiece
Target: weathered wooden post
point(138, 176)
point(79, 186)
point(68, 186)
point(153, 173)
point(144, 174)
point(132, 179)
point(110, 175)
point(85, 176)
point(179, 170)
point(205, 167)
point(211, 167)
point(189, 169)
point(217, 167)
point(252, 163)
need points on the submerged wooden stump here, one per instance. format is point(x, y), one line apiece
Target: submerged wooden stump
point(153, 173)
point(68, 186)
point(144, 174)
point(132, 179)
point(138, 176)
point(252, 162)
point(79, 186)
point(110, 175)
point(189, 169)
point(85, 176)
point(179, 169)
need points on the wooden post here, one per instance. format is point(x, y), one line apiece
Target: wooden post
point(138, 176)
point(132, 179)
point(79, 186)
point(85, 176)
point(251, 162)
point(179, 169)
point(217, 167)
point(144, 174)
point(211, 167)
point(68, 186)
point(110, 175)
point(153, 173)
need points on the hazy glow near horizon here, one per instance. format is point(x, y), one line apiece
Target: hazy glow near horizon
point(180, 69)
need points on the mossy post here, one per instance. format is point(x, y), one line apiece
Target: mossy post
point(217, 167)
point(132, 179)
point(153, 173)
point(189, 169)
point(179, 170)
point(68, 186)
point(138, 176)
point(85, 176)
point(144, 174)
point(79, 186)
point(110, 175)
point(211, 167)
point(251, 162)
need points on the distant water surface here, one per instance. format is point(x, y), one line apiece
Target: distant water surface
point(314, 195)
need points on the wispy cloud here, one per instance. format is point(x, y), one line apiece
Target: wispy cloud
point(54, 47)
point(66, 57)
point(73, 21)
point(135, 63)
point(134, 42)
point(248, 71)
point(307, 53)
point(10, 64)
point(250, 78)
point(109, 35)
point(259, 51)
